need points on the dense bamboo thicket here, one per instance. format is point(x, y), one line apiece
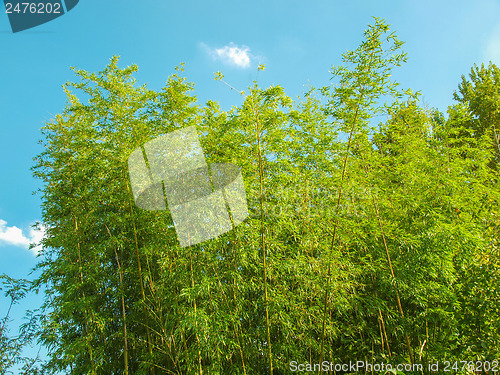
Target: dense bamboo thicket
point(372, 236)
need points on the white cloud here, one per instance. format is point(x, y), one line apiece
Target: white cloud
point(14, 236)
point(492, 52)
point(231, 55)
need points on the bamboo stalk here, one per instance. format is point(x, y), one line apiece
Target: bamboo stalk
point(6, 317)
point(263, 242)
point(139, 269)
point(236, 331)
point(400, 308)
point(334, 236)
point(125, 337)
point(382, 342)
point(385, 332)
point(84, 298)
point(196, 323)
point(125, 340)
point(233, 263)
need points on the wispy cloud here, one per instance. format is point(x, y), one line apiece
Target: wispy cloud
point(14, 236)
point(231, 54)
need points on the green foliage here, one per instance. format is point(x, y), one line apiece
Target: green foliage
point(481, 98)
point(375, 243)
point(11, 347)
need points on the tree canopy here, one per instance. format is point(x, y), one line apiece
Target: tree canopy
point(372, 235)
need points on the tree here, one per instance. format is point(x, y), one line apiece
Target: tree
point(11, 348)
point(363, 241)
point(480, 98)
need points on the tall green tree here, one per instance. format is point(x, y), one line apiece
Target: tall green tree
point(480, 98)
point(365, 240)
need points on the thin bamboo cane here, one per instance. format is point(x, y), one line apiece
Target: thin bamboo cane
point(263, 242)
point(124, 314)
point(400, 308)
point(334, 236)
point(196, 323)
point(139, 269)
point(84, 298)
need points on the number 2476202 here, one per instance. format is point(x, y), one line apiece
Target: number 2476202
point(33, 8)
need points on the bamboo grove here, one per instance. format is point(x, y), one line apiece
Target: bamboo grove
point(372, 236)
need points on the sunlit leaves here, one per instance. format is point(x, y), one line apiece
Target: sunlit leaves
point(412, 201)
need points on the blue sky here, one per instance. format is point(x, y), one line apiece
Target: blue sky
point(298, 41)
